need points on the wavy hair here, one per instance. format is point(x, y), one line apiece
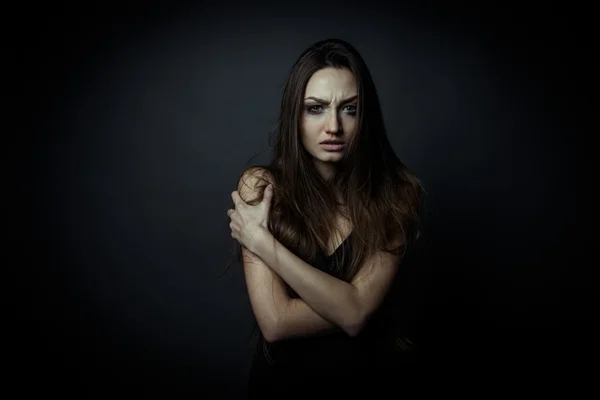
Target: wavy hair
point(372, 188)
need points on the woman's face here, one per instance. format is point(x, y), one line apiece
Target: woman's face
point(329, 113)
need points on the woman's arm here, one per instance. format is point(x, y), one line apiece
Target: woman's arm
point(278, 316)
point(334, 299)
point(348, 305)
point(326, 303)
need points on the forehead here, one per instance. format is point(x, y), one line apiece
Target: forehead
point(331, 81)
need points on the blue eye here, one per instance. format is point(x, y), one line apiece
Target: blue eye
point(353, 111)
point(316, 109)
point(311, 109)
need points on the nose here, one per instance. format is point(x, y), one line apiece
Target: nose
point(333, 124)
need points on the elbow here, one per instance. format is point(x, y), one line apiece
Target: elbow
point(354, 330)
point(355, 326)
point(356, 318)
point(270, 332)
point(270, 336)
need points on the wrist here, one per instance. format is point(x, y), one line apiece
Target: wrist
point(263, 237)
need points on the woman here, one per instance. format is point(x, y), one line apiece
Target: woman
point(323, 229)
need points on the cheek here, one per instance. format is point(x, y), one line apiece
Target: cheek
point(349, 124)
point(310, 130)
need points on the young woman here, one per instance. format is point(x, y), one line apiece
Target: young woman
point(323, 229)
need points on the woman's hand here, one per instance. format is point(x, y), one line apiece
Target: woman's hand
point(248, 222)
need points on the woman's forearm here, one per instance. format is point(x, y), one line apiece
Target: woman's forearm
point(333, 299)
point(279, 316)
point(297, 319)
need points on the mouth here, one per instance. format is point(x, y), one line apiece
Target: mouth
point(333, 146)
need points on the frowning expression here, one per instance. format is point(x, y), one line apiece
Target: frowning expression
point(329, 113)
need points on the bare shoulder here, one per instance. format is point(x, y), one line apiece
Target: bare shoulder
point(253, 183)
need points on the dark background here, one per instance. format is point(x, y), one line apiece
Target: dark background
point(142, 117)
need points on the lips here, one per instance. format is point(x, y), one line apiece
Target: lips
point(333, 146)
point(332, 142)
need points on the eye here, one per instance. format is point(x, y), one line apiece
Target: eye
point(317, 109)
point(352, 110)
point(314, 109)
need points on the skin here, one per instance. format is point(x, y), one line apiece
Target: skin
point(333, 119)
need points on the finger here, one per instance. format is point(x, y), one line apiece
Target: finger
point(236, 197)
point(268, 195)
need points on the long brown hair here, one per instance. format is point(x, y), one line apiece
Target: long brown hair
point(379, 195)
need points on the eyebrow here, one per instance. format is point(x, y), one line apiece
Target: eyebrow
point(349, 99)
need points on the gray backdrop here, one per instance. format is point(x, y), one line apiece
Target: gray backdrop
point(143, 122)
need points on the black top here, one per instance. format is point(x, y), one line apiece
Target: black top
point(305, 362)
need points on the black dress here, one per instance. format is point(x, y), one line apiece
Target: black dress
point(335, 363)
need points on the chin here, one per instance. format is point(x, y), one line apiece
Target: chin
point(333, 156)
point(333, 153)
